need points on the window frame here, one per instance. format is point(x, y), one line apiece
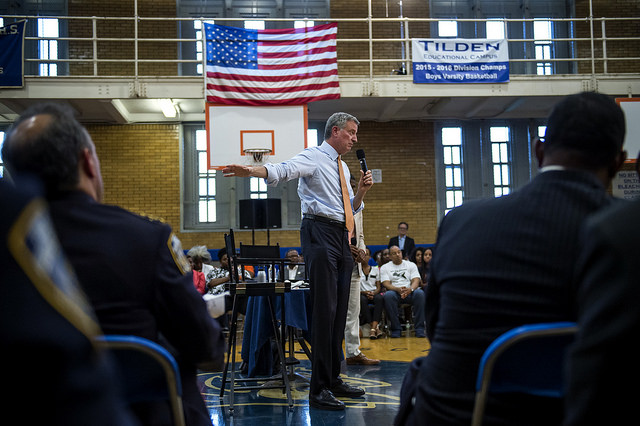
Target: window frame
point(476, 154)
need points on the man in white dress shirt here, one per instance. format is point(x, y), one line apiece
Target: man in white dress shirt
point(325, 245)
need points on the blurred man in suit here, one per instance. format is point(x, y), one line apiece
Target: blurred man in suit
point(132, 269)
point(603, 367)
point(500, 263)
point(47, 325)
point(294, 272)
point(402, 240)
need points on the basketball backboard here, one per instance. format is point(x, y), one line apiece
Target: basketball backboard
point(631, 109)
point(244, 134)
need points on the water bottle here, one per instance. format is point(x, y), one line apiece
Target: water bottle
point(261, 276)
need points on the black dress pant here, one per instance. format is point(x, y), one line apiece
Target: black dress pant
point(327, 256)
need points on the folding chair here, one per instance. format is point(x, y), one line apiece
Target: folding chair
point(147, 370)
point(528, 359)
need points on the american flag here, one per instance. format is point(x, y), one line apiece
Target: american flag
point(271, 67)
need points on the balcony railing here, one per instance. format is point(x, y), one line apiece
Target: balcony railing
point(143, 47)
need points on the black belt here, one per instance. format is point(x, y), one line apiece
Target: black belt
point(323, 219)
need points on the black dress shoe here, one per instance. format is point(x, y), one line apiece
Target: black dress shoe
point(325, 401)
point(343, 389)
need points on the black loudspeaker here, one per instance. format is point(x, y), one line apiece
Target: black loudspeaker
point(260, 214)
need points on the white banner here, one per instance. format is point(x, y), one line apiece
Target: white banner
point(460, 60)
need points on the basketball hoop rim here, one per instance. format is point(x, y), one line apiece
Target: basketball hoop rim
point(257, 151)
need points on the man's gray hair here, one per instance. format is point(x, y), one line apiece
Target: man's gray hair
point(199, 252)
point(339, 119)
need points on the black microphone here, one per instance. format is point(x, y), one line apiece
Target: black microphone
point(363, 162)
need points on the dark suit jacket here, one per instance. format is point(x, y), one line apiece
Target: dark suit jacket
point(608, 320)
point(43, 334)
point(409, 245)
point(127, 267)
point(300, 273)
point(500, 263)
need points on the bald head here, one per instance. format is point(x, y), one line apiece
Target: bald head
point(395, 254)
point(49, 143)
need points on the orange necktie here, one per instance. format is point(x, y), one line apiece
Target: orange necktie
point(346, 202)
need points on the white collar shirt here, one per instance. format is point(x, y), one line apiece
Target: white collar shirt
point(319, 181)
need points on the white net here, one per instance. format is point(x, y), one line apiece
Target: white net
point(257, 156)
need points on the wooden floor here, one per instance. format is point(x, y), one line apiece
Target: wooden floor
point(269, 406)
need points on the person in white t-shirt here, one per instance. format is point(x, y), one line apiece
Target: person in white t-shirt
point(402, 281)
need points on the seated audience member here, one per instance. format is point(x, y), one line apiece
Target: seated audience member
point(416, 257)
point(132, 269)
point(402, 283)
point(218, 276)
point(47, 326)
point(199, 281)
point(508, 261)
point(425, 272)
point(199, 258)
point(381, 257)
point(402, 240)
point(370, 294)
point(294, 272)
point(602, 361)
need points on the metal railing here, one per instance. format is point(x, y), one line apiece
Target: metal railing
point(597, 46)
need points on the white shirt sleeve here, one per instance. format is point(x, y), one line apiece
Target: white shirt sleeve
point(303, 164)
point(384, 274)
point(413, 270)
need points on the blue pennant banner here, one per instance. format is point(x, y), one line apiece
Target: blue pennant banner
point(12, 54)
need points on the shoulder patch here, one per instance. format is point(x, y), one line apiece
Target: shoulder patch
point(35, 247)
point(175, 247)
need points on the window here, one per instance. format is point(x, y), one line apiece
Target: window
point(303, 24)
point(542, 33)
point(48, 49)
point(495, 29)
point(478, 159)
point(257, 188)
point(499, 137)
point(452, 160)
point(207, 211)
point(312, 137)
point(447, 29)
point(197, 26)
point(254, 25)
point(210, 201)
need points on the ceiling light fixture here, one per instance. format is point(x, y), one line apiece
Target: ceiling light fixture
point(167, 107)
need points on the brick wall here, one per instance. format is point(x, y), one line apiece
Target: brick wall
point(114, 28)
point(615, 49)
point(404, 150)
point(360, 30)
point(141, 168)
point(141, 172)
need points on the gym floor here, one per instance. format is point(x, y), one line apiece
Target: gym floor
point(268, 407)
